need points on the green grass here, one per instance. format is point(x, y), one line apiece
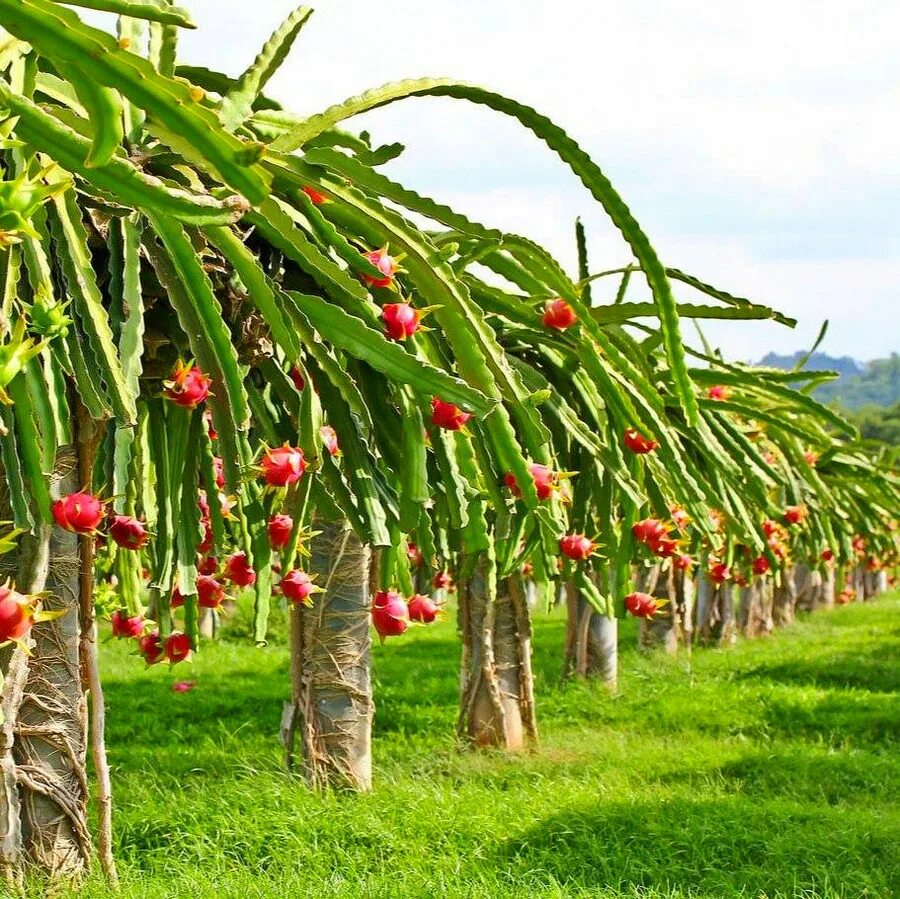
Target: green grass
point(767, 770)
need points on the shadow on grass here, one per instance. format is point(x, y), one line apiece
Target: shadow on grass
point(801, 774)
point(859, 720)
point(876, 669)
point(721, 848)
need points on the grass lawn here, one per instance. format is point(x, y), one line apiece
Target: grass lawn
point(767, 770)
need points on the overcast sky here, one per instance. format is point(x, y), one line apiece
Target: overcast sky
point(755, 142)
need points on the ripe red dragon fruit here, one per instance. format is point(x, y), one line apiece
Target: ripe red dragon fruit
point(282, 466)
point(210, 427)
point(219, 471)
point(827, 554)
point(401, 320)
point(664, 547)
point(638, 443)
point(718, 392)
point(239, 571)
point(422, 609)
point(188, 386)
point(210, 593)
point(330, 440)
point(150, 648)
point(544, 481)
point(80, 512)
point(680, 517)
point(761, 565)
point(859, 544)
point(206, 544)
point(683, 562)
point(577, 547)
point(777, 547)
point(559, 315)
point(718, 572)
point(642, 605)
point(317, 198)
point(795, 514)
point(414, 554)
point(226, 504)
point(648, 530)
point(770, 528)
point(125, 625)
point(810, 458)
point(280, 527)
point(390, 614)
point(177, 647)
point(208, 565)
point(128, 532)
point(298, 587)
point(386, 264)
point(447, 415)
point(16, 615)
point(442, 581)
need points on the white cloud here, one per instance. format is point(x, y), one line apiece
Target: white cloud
point(754, 139)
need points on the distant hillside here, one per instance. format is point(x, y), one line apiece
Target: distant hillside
point(846, 365)
point(875, 383)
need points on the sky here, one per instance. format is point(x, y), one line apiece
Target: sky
point(755, 142)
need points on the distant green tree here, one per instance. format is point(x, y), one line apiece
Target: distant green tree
point(879, 423)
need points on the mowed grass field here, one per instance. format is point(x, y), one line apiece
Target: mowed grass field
point(770, 769)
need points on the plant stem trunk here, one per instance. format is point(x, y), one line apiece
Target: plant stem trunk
point(756, 617)
point(497, 684)
point(51, 729)
point(784, 599)
point(807, 588)
point(87, 438)
point(28, 566)
point(331, 703)
point(592, 641)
